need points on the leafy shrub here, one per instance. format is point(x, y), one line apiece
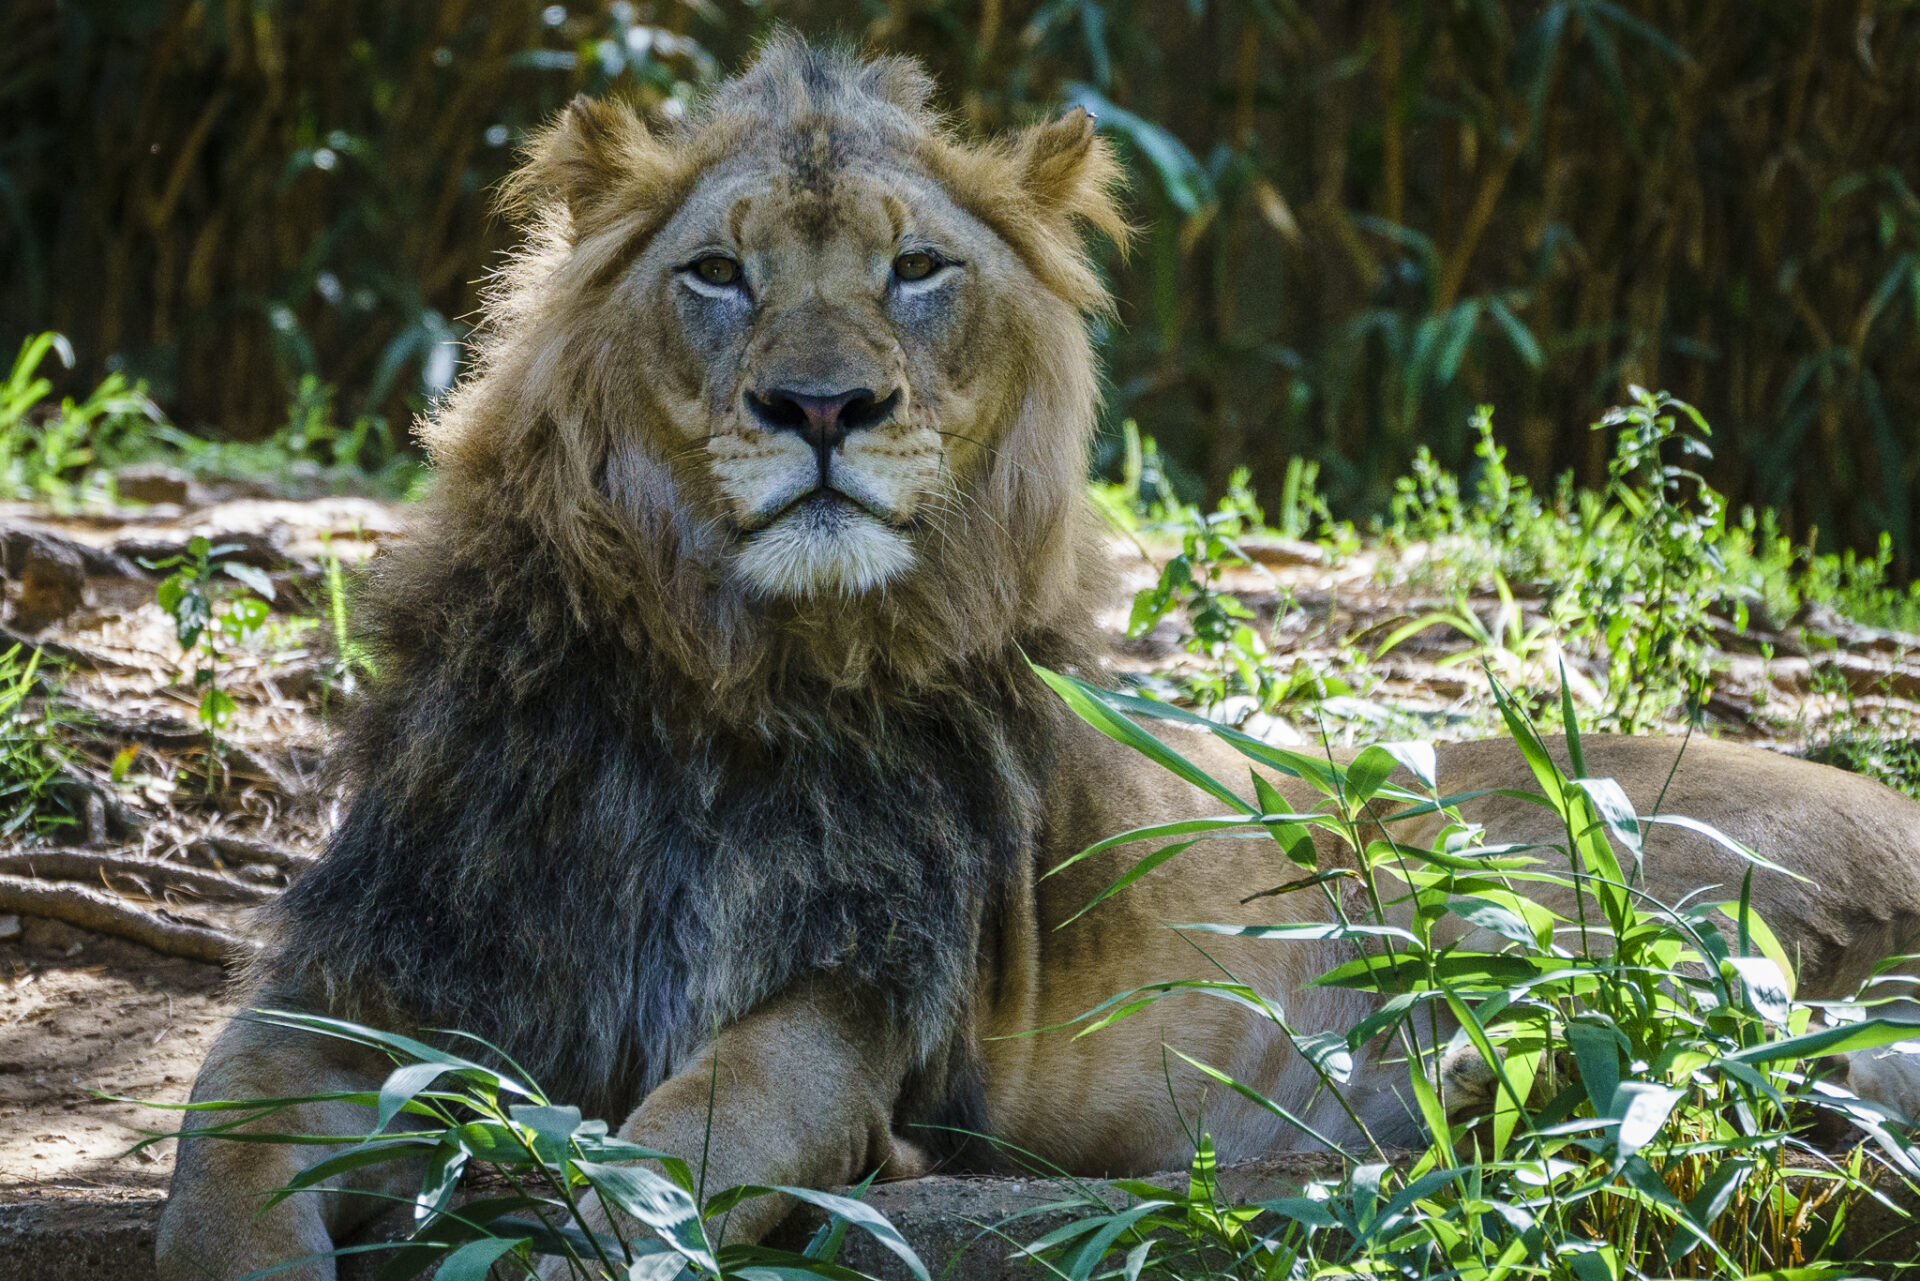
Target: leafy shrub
point(310, 453)
point(32, 758)
point(1650, 1070)
point(55, 454)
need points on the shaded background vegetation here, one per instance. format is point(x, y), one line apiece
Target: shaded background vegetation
point(1361, 218)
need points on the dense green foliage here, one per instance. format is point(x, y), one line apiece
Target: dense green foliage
point(1643, 1072)
point(1633, 576)
point(32, 759)
point(1360, 220)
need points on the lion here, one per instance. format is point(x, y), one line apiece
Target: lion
point(706, 771)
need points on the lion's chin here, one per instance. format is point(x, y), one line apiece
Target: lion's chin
point(823, 546)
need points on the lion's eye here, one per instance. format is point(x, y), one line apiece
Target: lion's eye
point(915, 265)
point(718, 269)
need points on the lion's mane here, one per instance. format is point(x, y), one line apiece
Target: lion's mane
point(603, 803)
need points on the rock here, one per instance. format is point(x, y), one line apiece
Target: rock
point(9, 928)
point(17, 538)
point(77, 1241)
point(46, 578)
point(152, 483)
point(964, 1229)
point(1276, 552)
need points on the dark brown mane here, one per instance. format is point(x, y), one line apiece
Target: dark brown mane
point(603, 800)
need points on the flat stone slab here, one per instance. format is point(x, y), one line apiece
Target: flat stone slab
point(86, 1240)
point(965, 1229)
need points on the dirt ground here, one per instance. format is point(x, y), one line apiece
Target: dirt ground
point(179, 832)
point(81, 1013)
point(191, 834)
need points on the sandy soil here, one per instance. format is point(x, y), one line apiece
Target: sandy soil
point(80, 1014)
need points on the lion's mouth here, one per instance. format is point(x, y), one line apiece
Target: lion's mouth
point(823, 507)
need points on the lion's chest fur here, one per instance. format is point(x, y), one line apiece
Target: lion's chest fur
point(549, 865)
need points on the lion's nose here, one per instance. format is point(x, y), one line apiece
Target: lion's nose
point(822, 421)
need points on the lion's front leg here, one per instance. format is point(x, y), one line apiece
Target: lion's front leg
point(211, 1228)
point(800, 1092)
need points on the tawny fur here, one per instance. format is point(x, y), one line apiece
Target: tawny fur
point(696, 820)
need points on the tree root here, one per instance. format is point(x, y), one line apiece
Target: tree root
point(91, 865)
point(105, 913)
point(241, 849)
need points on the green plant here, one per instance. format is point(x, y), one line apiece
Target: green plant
point(1220, 629)
point(1863, 587)
point(1634, 570)
point(350, 662)
point(1516, 651)
point(310, 450)
point(206, 610)
point(1650, 1071)
point(60, 454)
point(1500, 528)
point(1216, 626)
point(32, 759)
point(453, 1114)
point(52, 454)
point(1654, 566)
point(1868, 750)
point(1854, 740)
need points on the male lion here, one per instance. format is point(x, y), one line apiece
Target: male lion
point(705, 732)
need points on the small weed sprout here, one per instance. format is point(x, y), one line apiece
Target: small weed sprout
point(1222, 631)
point(351, 663)
point(1217, 627)
point(206, 610)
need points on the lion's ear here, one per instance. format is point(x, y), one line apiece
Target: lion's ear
point(595, 159)
point(1067, 169)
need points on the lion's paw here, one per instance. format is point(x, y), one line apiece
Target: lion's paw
point(1469, 1081)
point(1890, 1077)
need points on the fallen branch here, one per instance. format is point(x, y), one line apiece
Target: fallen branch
point(108, 914)
point(91, 865)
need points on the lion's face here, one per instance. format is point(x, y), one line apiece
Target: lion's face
point(803, 371)
point(824, 399)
